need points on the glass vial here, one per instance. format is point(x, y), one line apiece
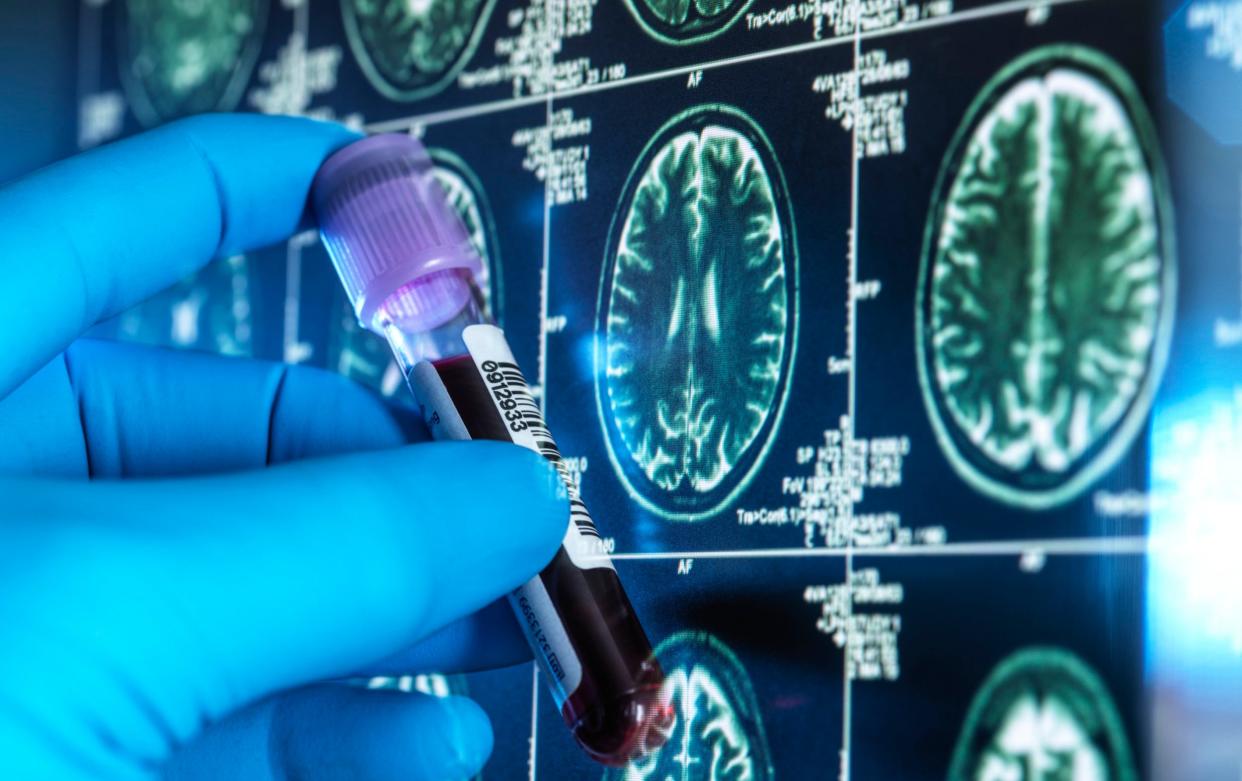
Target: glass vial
point(406, 262)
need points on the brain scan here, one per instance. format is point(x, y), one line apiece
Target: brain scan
point(1047, 279)
point(185, 57)
point(686, 21)
point(1042, 715)
point(697, 314)
point(717, 733)
point(361, 355)
point(410, 49)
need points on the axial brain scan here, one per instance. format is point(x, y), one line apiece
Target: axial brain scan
point(412, 48)
point(717, 733)
point(186, 56)
point(1047, 279)
point(699, 289)
point(1042, 715)
point(686, 21)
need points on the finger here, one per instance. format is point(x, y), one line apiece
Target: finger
point(149, 412)
point(110, 227)
point(42, 429)
point(330, 732)
point(485, 640)
point(218, 591)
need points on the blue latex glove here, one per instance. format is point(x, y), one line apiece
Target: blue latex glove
point(171, 614)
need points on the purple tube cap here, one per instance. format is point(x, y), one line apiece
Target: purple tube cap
point(387, 223)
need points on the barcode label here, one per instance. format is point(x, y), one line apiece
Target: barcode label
point(511, 394)
point(542, 441)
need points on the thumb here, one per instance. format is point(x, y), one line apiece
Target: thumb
point(152, 605)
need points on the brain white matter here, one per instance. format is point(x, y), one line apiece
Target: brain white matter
point(697, 311)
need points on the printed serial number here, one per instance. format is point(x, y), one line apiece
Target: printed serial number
point(506, 400)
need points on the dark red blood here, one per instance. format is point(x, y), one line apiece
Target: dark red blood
point(617, 713)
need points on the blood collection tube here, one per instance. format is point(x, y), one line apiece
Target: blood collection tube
point(406, 262)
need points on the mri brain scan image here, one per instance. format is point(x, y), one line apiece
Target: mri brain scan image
point(717, 733)
point(697, 313)
point(184, 57)
point(1043, 715)
point(1047, 279)
point(410, 49)
point(686, 21)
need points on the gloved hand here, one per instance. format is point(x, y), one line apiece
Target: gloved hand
point(172, 614)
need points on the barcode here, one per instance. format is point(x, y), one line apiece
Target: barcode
point(544, 443)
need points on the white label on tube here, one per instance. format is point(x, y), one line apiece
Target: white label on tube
point(436, 406)
point(546, 634)
point(511, 395)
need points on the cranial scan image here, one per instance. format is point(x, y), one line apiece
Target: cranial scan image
point(1042, 715)
point(361, 355)
point(686, 21)
point(1047, 279)
point(717, 731)
point(697, 314)
point(182, 57)
point(410, 49)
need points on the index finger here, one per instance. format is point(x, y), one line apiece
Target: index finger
point(92, 235)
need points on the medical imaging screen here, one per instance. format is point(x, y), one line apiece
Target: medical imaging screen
point(896, 346)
